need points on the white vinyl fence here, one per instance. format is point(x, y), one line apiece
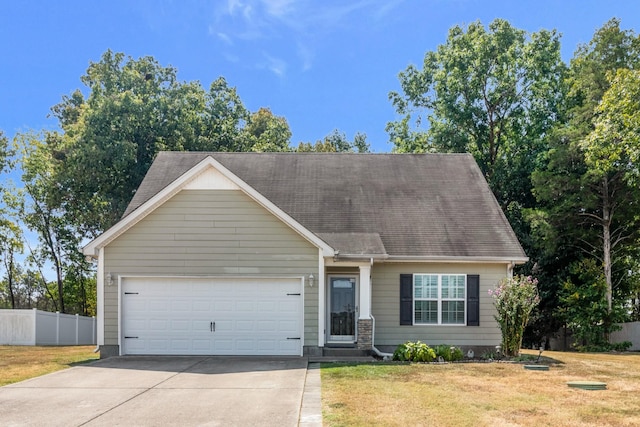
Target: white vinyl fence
point(629, 332)
point(35, 327)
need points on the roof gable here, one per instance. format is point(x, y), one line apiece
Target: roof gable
point(206, 174)
point(393, 206)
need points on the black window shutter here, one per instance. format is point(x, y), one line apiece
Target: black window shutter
point(473, 300)
point(406, 299)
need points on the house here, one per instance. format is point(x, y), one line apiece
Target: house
point(292, 253)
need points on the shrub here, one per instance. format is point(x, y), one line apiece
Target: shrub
point(514, 299)
point(448, 353)
point(602, 347)
point(414, 352)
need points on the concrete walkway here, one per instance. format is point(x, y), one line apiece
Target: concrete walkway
point(311, 411)
point(185, 391)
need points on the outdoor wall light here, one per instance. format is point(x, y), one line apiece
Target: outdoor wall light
point(311, 279)
point(109, 279)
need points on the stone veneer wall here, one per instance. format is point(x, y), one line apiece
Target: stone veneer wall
point(365, 331)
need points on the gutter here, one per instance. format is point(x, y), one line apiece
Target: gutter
point(455, 259)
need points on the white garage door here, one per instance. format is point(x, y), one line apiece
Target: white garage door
point(211, 316)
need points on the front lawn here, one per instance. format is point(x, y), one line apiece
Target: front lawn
point(484, 394)
point(18, 363)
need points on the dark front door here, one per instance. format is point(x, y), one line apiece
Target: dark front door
point(342, 309)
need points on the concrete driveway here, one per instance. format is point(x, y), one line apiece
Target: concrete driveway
point(156, 391)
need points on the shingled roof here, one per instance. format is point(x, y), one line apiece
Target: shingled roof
point(391, 205)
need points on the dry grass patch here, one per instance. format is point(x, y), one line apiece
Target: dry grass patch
point(18, 363)
point(484, 394)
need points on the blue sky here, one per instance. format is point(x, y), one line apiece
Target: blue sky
point(323, 65)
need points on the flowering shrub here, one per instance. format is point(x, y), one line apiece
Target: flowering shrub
point(514, 299)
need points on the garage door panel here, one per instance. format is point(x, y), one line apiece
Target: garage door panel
point(202, 305)
point(159, 305)
point(288, 326)
point(157, 325)
point(177, 316)
point(267, 326)
point(245, 326)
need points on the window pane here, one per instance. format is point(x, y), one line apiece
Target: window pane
point(431, 286)
point(453, 287)
point(426, 286)
point(426, 312)
point(445, 286)
point(453, 312)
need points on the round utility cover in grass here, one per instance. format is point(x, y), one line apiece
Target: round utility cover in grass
point(588, 385)
point(536, 367)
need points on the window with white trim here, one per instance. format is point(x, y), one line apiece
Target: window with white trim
point(439, 299)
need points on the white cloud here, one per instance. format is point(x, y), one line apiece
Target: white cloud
point(306, 56)
point(303, 22)
point(224, 37)
point(276, 65)
point(278, 8)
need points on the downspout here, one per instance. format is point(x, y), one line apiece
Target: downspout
point(384, 356)
point(510, 268)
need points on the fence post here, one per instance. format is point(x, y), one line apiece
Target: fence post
point(57, 328)
point(77, 327)
point(35, 326)
point(93, 330)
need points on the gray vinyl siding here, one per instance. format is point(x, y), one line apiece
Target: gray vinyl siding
point(211, 233)
point(386, 306)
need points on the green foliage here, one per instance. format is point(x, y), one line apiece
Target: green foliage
point(267, 132)
point(514, 299)
point(5, 153)
point(417, 351)
point(585, 307)
point(586, 202)
point(40, 207)
point(491, 92)
point(336, 142)
point(134, 109)
point(614, 144)
point(448, 353)
point(414, 352)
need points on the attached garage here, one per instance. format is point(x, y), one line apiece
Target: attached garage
point(211, 316)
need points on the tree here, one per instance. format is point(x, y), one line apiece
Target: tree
point(222, 121)
point(10, 233)
point(614, 143)
point(612, 152)
point(266, 132)
point(585, 306)
point(587, 204)
point(58, 237)
point(134, 109)
point(5, 153)
point(492, 93)
point(10, 245)
point(337, 142)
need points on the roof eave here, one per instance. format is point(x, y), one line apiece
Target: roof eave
point(340, 256)
point(458, 259)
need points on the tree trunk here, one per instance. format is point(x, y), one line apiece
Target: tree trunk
point(606, 240)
